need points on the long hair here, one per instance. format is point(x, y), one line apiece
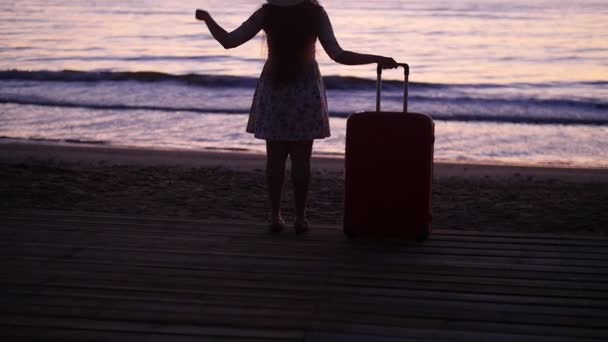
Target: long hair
point(291, 33)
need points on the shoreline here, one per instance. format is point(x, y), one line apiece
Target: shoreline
point(19, 151)
point(214, 185)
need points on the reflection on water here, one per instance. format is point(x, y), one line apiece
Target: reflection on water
point(496, 41)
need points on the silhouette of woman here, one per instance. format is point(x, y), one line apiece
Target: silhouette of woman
point(289, 107)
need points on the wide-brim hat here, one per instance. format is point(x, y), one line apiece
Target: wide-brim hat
point(285, 2)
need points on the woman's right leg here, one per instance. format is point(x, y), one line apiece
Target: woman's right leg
point(276, 156)
point(300, 154)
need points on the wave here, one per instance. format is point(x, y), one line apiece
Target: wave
point(331, 82)
point(523, 102)
point(500, 118)
point(49, 140)
point(512, 103)
point(140, 76)
point(120, 107)
point(205, 58)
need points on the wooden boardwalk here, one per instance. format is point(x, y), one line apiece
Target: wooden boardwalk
point(70, 276)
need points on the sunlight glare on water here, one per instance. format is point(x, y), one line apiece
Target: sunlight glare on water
point(477, 41)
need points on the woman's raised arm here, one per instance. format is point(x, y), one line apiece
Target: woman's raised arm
point(335, 52)
point(241, 35)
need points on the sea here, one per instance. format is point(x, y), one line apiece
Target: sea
point(506, 81)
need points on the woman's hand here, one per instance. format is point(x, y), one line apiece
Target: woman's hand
point(202, 15)
point(388, 63)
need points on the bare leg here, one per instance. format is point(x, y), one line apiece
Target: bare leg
point(276, 155)
point(300, 175)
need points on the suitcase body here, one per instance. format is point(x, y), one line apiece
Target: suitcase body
point(388, 173)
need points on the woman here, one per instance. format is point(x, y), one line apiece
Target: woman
point(289, 108)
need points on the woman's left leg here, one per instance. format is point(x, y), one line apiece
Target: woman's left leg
point(276, 156)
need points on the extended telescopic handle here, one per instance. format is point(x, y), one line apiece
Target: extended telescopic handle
point(406, 74)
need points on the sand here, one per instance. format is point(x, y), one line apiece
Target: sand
point(222, 185)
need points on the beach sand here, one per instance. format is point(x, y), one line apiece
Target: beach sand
point(220, 185)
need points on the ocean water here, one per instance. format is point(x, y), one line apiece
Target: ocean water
point(506, 81)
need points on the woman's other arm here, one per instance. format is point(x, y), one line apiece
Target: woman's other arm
point(335, 52)
point(241, 35)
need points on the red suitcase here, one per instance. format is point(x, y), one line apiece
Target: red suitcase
point(389, 172)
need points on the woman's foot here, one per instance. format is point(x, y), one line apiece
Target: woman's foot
point(301, 226)
point(277, 225)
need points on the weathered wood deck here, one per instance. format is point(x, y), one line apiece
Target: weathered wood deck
point(67, 276)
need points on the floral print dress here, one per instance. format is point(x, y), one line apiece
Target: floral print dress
point(292, 112)
point(296, 111)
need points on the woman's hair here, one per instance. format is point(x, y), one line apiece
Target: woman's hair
point(291, 32)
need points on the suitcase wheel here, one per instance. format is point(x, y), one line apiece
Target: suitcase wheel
point(422, 236)
point(349, 234)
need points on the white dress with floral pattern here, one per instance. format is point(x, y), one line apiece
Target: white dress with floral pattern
point(291, 112)
point(295, 111)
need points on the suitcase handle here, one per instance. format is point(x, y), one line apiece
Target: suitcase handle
point(406, 74)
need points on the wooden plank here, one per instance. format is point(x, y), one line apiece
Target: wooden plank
point(177, 242)
point(427, 332)
point(386, 313)
point(273, 264)
point(479, 269)
point(521, 235)
point(24, 333)
point(358, 267)
point(167, 328)
point(228, 298)
point(194, 226)
point(276, 246)
point(176, 315)
point(388, 278)
point(136, 300)
point(454, 322)
point(187, 240)
point(378, 294)
point(316, 235)
point(255, 295)
point(404, 269)
point(544, 304)
point(113, 217)
point(342, 337)
point(159, 277)
point(45, 215)
point(251, 293)
point(338, 289)
point(447, 284)
point(231, 279)
point(386, 260)
point(233, 305)
point(263, 265)
point(450, 306)
point(540, 258)
point(362, 260)
point(302, 265)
